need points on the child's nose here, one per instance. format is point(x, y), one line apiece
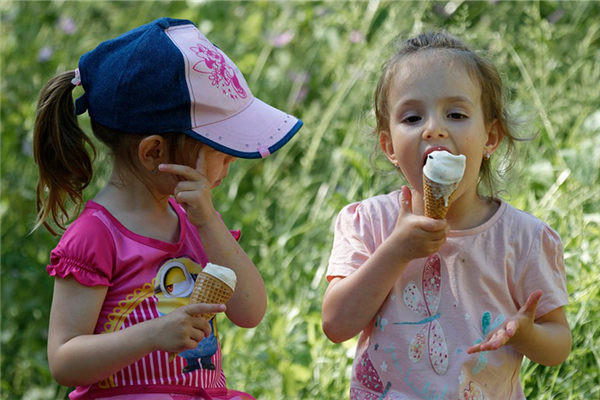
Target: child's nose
point(434, 130)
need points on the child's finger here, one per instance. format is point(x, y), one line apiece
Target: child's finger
point(201, 160)
point(474, 349)
point(511, 328)
point(179, 170)
point(434, 225)
point(203, 308)
point(532, 302)
point(406, 203)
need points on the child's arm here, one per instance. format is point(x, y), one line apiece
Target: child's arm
point(77, 356)
point(247, 306)
point(545, 340)
point(249, 301)
point(350, 303)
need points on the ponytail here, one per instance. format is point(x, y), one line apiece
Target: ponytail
point(59, 148)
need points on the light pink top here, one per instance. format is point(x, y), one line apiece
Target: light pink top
point(97, 250)
point(416, 345)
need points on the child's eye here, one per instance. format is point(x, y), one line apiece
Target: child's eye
point(456, 115)
point(411, 119)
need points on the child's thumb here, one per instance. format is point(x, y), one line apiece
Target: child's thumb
point(532, 302)
point(406, 201)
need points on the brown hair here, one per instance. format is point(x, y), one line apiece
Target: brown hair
point(481, 70)
point(65, 154)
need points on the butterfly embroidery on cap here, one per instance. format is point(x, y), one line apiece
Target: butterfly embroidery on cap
point(221, 74)
point(425, 303)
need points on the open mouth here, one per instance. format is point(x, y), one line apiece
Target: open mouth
point(431, 150)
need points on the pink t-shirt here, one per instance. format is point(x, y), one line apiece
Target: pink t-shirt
point(146, 278)
point(415, 347)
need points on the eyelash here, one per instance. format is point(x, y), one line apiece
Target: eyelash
point(415, 118)
point(411, 119)
point(460, 115)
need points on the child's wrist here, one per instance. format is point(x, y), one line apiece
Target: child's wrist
point(397, 255)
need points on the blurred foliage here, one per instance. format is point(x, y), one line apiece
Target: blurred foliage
point(320, 61)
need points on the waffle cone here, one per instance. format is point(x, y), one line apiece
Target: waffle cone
point(434, 194)
point(210, 290)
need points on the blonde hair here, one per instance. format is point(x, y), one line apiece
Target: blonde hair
point(481, 70)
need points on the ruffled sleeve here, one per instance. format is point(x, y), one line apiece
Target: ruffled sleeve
point(351, 246)
point(545, 270)
point(85, 252)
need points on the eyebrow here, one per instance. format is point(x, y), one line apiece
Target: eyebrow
point(450, 99)
point(460, 99)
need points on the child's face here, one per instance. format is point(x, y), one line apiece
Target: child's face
point(216, 165)
point(434, 103)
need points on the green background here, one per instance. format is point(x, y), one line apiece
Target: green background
point(319, 61)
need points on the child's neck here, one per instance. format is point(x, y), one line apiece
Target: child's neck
point(464, 215)
point(140, 210)
point(466, 212)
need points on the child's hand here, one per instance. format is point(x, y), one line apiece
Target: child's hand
point(417, 236)
point(513, 328)
point(193, 191)
point(183, 328)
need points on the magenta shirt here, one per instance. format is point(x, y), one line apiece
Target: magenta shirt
point(97, 250)
point(415, 347)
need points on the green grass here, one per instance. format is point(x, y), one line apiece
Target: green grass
point(548, 53)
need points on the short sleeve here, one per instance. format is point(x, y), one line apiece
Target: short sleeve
point(545, 269)
point(351, 248)
point(85, 252)
point(237, 234)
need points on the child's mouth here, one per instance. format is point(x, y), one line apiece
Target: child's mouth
point(431, 150)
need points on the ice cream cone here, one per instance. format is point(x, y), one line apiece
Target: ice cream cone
point(214, 285)
point(210, 290)
point(442, 173)
point(437, 197)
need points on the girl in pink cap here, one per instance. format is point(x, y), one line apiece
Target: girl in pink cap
point(445, 308)
point(175, 112)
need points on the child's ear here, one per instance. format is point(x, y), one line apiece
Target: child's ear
point(495, 135)
point(385, 141)
point(152, 151)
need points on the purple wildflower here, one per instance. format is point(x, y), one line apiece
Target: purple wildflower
point(356, 36)
point(45, 53)
point(67, 24)
point(282, 39)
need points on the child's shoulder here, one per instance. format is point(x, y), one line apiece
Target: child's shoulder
point(381, 207)
point(90, 223)
point(525, 224)
point(521, 218)
point(381, 201)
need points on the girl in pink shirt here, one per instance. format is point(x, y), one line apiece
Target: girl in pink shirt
point(175, 112)
point(445, 308)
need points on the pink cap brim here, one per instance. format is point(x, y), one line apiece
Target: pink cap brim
point(255, 132)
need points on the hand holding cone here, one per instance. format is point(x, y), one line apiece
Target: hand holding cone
point(214, 285)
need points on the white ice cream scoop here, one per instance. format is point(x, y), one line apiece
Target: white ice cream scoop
point(443, 167)
point(223, 273)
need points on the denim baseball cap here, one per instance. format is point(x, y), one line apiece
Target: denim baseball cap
point(166, 76)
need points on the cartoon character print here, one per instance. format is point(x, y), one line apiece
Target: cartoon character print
point(174, 284)
point(425, 303)
point(486, 327)
point(220, 73)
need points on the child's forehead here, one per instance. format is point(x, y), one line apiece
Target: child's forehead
point(423, 61)
point(431, 62)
